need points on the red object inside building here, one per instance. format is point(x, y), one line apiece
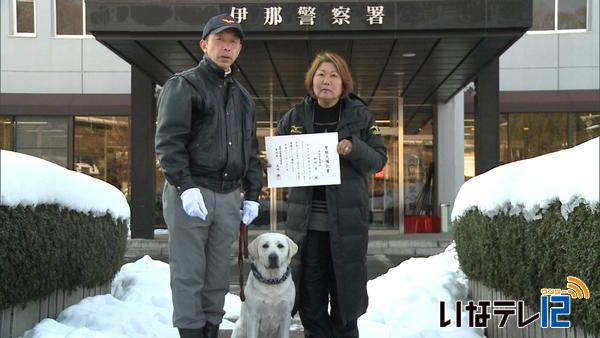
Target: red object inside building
point(421, 224)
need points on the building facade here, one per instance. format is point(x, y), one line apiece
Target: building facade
point(64, 96)
point(549, 84)
point(67, 98)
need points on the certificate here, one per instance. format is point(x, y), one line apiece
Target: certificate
point(303, 160)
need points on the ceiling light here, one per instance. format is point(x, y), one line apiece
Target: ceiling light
point(409, 54)
point(398, 73)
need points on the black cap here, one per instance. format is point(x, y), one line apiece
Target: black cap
point(220, 23)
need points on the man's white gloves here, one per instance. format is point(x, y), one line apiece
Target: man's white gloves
point(193, 203)
point(249, 212)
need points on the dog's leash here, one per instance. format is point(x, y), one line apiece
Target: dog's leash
point(242, 253)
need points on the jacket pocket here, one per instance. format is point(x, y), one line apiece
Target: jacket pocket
point(202, 152)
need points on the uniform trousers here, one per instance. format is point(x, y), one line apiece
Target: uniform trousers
point(200, 255)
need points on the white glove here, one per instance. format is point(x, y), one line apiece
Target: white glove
point(249, 212)
point(193, 203)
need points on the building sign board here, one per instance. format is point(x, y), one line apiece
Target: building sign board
point(133, 16)
point(316, 16)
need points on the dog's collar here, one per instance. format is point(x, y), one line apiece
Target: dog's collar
point(270, 281)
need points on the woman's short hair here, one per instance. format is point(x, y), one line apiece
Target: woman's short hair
point(341, 66)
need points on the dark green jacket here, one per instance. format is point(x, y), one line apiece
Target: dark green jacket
point(200, 111)
point(347, 203)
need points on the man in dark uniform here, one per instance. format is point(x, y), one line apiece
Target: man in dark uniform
point(208, 151)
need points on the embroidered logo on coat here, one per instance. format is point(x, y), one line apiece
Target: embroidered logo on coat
point(374, 130)
point(296, 130)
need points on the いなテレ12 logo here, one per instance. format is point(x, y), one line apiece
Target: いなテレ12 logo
point(557, 302)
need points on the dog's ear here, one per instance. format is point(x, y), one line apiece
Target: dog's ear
point(292, 248)
point(253, 249)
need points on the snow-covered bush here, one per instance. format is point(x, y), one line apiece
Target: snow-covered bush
point(58, 229)
point(528, 225)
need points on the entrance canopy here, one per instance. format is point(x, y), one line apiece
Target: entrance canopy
point(423, 50)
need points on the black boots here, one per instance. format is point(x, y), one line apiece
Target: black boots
point(192, 333)
point(211, 330)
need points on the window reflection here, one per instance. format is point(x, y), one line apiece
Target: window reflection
point(6, 133)
point(572, 14)
point(25, 16)
point(543, 15)
point(69, 17)
point(469, 157)
point(586, 126)
point(526, 135)
point(101, 149)
point(504, 141)
point(534, 134)
point(43, 137)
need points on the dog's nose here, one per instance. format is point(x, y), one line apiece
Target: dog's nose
point(273, 261)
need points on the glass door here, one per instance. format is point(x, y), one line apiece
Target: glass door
point(384, 188)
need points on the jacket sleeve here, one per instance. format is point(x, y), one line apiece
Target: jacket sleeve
point(368, 155)
point(253, 179)
point(173, 131)
point(283, 126)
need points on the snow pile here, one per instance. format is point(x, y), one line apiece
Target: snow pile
point(405, 302)
point(29, 181)
point(569, 175)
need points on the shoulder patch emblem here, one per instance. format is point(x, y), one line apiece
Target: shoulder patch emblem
point(296, 129)
point(374, 130)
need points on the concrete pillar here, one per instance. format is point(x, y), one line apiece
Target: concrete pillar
point(142, 126)
point(487, 118)
point(449, 150)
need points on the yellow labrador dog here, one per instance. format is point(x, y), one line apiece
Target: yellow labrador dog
point(269, 291)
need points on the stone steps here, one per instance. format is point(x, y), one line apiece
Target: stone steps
point(409, 245)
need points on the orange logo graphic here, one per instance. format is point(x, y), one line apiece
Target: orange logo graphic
point(577, 288)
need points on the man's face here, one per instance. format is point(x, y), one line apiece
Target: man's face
point(222, 48)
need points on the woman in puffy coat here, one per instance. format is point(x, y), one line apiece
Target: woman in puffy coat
point(330, 223)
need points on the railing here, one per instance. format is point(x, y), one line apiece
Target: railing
point(16, 320)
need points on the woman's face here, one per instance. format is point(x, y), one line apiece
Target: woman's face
point(327, 84)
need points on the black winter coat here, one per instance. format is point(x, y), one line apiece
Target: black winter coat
point(197, 118)
point(347, 203)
